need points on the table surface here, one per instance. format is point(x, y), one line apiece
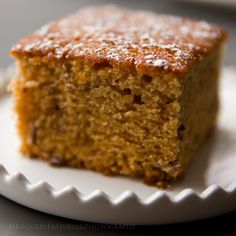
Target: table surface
point(18, 220)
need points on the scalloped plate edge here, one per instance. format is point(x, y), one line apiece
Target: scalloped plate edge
point(159, 194)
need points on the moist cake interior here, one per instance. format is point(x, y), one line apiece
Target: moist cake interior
point(112, 120)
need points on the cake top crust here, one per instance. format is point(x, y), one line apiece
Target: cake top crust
point(137, 39)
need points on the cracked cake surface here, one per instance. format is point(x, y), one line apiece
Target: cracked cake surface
point(118, 91)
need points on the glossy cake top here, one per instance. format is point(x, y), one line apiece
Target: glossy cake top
point(127, 38)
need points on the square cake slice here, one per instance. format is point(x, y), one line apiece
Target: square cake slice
point(118, 91)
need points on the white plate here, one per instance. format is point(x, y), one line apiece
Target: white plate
point(209, 188)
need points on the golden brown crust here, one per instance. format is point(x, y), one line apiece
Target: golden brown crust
point(138, 40)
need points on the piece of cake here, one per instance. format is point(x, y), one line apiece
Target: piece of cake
point(118, 91)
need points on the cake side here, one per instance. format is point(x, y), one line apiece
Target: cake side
point(199, 104)
point(115, 122)
point(100, 118)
